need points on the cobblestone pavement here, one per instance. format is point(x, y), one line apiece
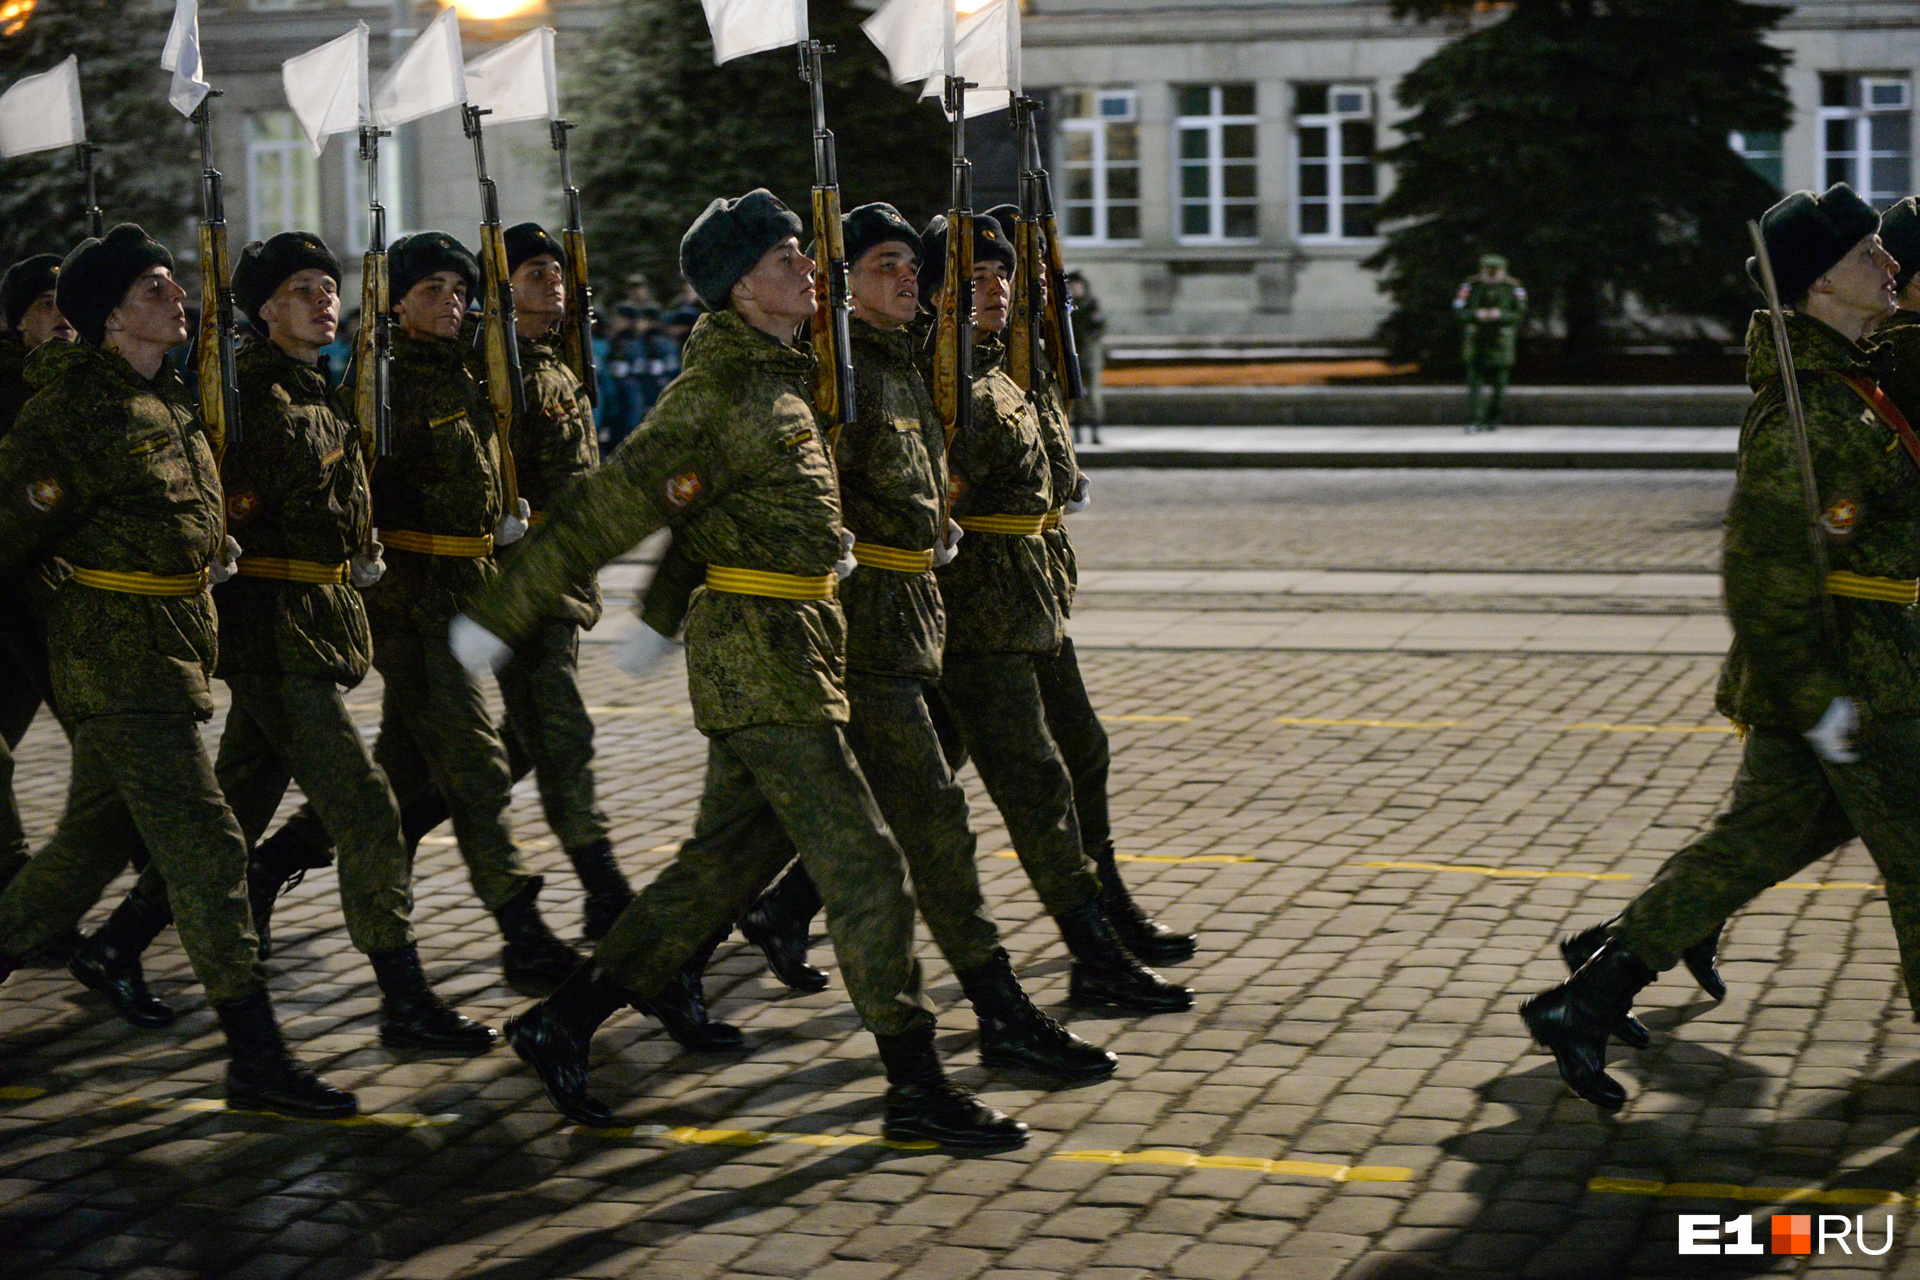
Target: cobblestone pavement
point(1378, 849)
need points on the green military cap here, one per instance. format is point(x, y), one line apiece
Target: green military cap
point(25, 283)
point(872, 225)
point(729, 238)
point(990, 244)
point(529, 240)
point(96, 276)
point(265, 265)
point(413, 258)
point(1807, 233)
point(1900, 233)
point(1493, 262)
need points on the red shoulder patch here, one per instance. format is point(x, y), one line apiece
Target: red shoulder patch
point(45, 494)
point(241, 507)
point(681, 490)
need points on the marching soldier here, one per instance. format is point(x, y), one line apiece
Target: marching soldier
point(733, 460)
point(1829, 699)
point(1898, 336)
point(109, 468)
point(1490, 307)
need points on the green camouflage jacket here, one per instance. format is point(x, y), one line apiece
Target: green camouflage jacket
point(296, 487)
point(731, 458)
point(442, 477)
point(1782, 670)
point(1050, 404)
point(1490, 342)
point(554, 444)
point(111, 472)
point(891, 470)
point(999, 590)
point(13, 379)
point(1897, 359)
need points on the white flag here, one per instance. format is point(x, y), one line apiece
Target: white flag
point(42, 112)
point(741, 27)
point(428, 79)
point(182, 57)
point(912, 35)
point(987, 54)
point(327, 86)
point(516, 81)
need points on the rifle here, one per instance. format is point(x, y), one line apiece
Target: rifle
point(504, 388)
point(1057, 322)
point(832, 331)
point(96, 218)
point(953, 335)
point(373, 344)
point(213, 346)
point(1027, 323)
point(577, 330)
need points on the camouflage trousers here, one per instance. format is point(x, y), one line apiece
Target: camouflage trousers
point(548, 722)
point(1789, 809)
point(771, 789)
point(144, 777)
point(995, 703)
point(24, 685)
point(1082, 740)
point(285, 729)
point(434, 732)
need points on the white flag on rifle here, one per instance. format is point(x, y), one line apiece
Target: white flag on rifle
point(741, 27)
point(912, 35)
point(42, 112)
point(182, 57)
point(986, 55)
point(327, 87)
point(428, 79)
point(516, 81)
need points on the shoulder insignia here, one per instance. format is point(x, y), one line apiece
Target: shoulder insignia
point(242, 506)
point(45, 494)
point(148, 443)
point(333, 455)
point(956, 488)
point(681, 490)
point(448, 420)
point(906, 424)
point(1840, 519)
point(794, 439)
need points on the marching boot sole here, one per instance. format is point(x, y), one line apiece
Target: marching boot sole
point(250, 1100)
point(1002, 1058)
point(1086, 993)
point(1578, 948)
point(1602, 1090)
point(153, 1013)
point(465, 1046)
point(586, 1109)
point(918, 1130)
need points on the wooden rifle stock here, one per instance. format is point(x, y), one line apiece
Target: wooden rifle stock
point(505, 390)
point(373, 344)
point(831, 331)
point(217, 379)
point(576, 340)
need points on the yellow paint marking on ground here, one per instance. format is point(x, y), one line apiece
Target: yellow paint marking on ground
point(538, 842)
point(1727, 1191)
point(1650, 728)
point(621, 710)
point(1827, 884)
point(1194, 1160)
point(380, 1119)
point(687, 1135)
point(1150, 719)
point(1158, 857)
point(21, 1093)
point(1528, 873)
point(1369, 724)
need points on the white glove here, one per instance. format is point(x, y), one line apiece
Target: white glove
point(846, 563)
point(644, 651)
point(1832, 738)
point(1080, 499)
point(477, 649)
point(512, 528)
point(226, 564)
point(943, 553)
point(365, 569)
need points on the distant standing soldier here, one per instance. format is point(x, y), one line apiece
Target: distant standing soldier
point(1089, 325)
point(1490, 306)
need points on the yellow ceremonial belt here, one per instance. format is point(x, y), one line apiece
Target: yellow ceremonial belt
point(142, 584)
point(1053, 518)
point(780, 586)
point(1002, 524)
point(438, 544)
point(875, 556)
point(292, 570)
point(1860, 587)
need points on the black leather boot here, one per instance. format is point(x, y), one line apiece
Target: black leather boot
point(608, 892)
point(1105, 973)
point(780, 922)
point(1703, 962)
point(1146, 937)
point(263, 1076)
point(532, 958)
point(681, 1006)
point(413, 1017)
point(552, 1038)
point(1576, 951)
point(280, 862)
point(924, 1106)
point(1572, 1021)
point(1013, 1033)
point(109, 962)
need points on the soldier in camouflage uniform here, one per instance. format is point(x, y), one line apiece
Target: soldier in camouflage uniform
point(1829, 700)
point(1490, 307)
point(733, 459)
point(1897, 340)
point(110, 469)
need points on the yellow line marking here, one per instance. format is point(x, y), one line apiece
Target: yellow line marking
point(1194, 1160)
point(21, 1092)
point(1727, 1191)
point(1826, 884)
point(1528, 873)
point(1157, 857)
point(1151, 719)
point(1369, 724)
point(640, 711)
point(1650, 728)
point(663, 848)
point(690, 1136)
point(538, 842)
point(382, 1119)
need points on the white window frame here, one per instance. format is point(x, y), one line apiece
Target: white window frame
point(1100, 164)
point(1335, 161)
point(1741, 142)
point(296, 158)
point(1216, 199)
point(1859, 157)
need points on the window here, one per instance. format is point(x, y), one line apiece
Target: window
point(1760, 148)
point(283, 178)
point(1217, 183)
point(1100, 162)
point(1336, 183)
point(1866, 131)
point(359, 225)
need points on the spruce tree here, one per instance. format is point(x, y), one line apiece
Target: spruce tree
point(1587, 140)
point(146, 166)
point(663, 131)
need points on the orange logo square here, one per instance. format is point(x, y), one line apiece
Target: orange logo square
point(1792, 1233)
